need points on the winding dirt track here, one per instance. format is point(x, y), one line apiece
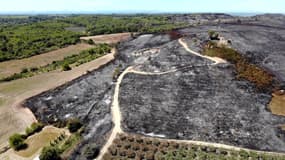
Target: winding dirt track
point(116, 113)
point(217, 60)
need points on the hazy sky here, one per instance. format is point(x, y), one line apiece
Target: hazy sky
point(269, 6)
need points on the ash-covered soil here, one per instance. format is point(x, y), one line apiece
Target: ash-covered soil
point(87, 98)
point(262, 44)
point(199, 102)
point(202, 103)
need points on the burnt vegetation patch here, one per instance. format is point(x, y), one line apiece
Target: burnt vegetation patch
point(245, 70)
point(174, 34)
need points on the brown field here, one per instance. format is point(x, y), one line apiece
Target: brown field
point(13, 117)
point(15, 66)
point(277, 104)
point(109, 38)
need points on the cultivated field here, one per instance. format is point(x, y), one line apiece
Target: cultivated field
point(15, 66)
point(109, 39)
point(127, 146)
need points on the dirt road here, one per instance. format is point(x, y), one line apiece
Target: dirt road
point(217, 60)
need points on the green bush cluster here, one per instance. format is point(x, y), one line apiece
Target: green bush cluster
point(50, 153)
point(213, 35)
point(64, 144)
point(77, 59)
point(66, 67)
point(34, 128)
point(17, 142)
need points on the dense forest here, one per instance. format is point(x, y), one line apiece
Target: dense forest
point(27, 40)
point(128, 23)
point(40, 34)
point(25, 19)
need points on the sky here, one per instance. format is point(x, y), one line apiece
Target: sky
point(147, 6)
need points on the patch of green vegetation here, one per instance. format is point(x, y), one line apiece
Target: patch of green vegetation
point(50, 153)
point(16, 141)
point(116, 24)
point(34, 128)
point(66, 67)
point(245, 70)
point(22, 41)
point(213, 35)
point(77, 59)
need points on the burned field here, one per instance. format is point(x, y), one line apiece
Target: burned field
point(87, 98)
point(194, 100)
point(208, 103)
point(203, 104)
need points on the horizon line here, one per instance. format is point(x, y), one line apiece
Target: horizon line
point(125, 12)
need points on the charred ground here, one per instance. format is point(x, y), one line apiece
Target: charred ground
point(200, 102)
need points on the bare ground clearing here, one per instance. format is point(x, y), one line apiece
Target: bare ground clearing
point(277, 105)
point(109, 39)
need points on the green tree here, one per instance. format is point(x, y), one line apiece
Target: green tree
point(213, 35)
point(35, 127)
point(16, 141)
point(66, 67)
point(90, 41)
point(73, 125)
point(50, 153)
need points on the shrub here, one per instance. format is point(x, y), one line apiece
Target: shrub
point(24, 70)
point(213, 35)
point(35, 127)
point(50, 153)
point(90, 41)
point(34, 69)
point(92, 151)
point(73, 125)
point(66, 67)
point(16, 141)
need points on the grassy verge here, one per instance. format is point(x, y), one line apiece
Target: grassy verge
point(245, 70)
point(76, 60)
point(138, 147)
